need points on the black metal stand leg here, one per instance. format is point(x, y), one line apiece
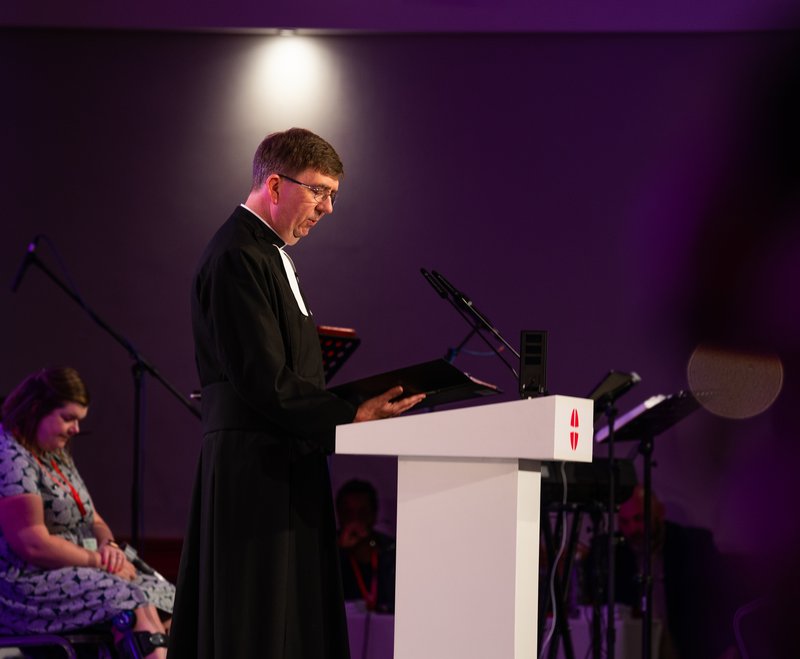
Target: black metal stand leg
point(597, 594)
point(137, 371)
point(646, 449)
point(611, 414)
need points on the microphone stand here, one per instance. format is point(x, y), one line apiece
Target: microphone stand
point(614, 385)
point(611, 631)
point(645, 426)
point(452, 353)
point(646, 449)
point(139, 368)
point(474, 318)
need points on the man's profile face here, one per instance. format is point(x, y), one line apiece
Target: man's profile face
point(630, 521)
point(356, 509)
point(294, 210)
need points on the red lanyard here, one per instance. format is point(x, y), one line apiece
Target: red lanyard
point(371, 597)
point(64, 483)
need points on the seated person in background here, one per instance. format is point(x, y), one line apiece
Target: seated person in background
point(691, 595)
point(367, 556)
point(60, 568)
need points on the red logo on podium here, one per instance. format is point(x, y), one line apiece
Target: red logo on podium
point(573, 434)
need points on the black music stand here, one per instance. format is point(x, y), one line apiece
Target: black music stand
point(614, 385)
point(643, 424)
point(337, 344)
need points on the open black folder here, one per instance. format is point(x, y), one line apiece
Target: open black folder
point(439, 380)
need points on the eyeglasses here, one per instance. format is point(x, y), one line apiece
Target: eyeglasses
point(321, 193)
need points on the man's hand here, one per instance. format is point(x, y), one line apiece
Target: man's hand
point(380, 407)
point(352, 534)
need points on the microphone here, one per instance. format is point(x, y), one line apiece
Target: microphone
point(133, 556)
point(433, 282)
point(470, 313)
point(30, 255)
point(462, 300)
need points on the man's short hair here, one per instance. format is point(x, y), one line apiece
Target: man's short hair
point(358, 487)
point(290, 152)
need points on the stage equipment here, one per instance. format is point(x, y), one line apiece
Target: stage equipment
point(586, 490)
point(478, 322)
point(533, 364)
point(140, 367)
point(614, 385)
point(643, 424)
point(587, 482)
point(337, 344)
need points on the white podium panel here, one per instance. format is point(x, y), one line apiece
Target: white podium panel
point(467, 549)
point(468, 509)
point(549, 428)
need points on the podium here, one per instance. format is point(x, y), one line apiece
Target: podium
point(468, 509)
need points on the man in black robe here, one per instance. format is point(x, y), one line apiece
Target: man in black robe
point(259, 574)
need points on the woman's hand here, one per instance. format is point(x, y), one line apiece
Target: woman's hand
point(112, 559)
point(127, 571)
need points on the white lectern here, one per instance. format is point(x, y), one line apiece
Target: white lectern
point(468, 506)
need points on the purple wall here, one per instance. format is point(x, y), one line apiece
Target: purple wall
point(558, 179)
point(411, 15)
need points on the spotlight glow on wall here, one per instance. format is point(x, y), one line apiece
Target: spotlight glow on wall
point(289, 81)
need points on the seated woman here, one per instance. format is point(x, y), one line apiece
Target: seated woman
point(60, 568)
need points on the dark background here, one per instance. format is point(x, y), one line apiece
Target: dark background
point(566, 181)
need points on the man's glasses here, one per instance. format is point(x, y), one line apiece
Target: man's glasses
point(321, 193)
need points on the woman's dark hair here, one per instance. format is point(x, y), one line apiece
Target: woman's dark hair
point(36, 396)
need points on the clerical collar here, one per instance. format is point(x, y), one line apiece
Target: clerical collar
point(288, 266)
point(266, 224)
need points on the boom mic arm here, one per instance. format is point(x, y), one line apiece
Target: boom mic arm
point(476, 320)
point(464, 302)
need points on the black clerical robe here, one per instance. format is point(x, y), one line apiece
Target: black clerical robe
point(259, 574)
